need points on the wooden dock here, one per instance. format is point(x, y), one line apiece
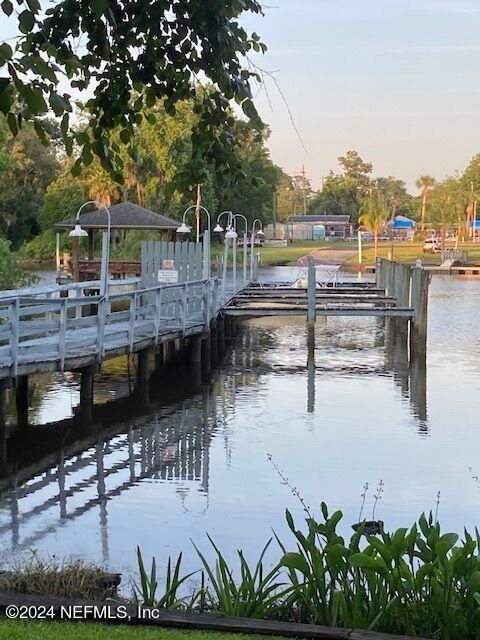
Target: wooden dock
point(74, 328)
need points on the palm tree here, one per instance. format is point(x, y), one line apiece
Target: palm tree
point(373, 216)
point(425, 183)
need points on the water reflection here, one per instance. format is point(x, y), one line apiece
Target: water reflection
point(349, 410)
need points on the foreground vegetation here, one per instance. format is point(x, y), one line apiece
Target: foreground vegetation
point(414, 581)
point(20, 630)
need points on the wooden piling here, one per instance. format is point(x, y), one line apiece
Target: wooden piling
point(402, 294)
point(196, 360)
point(221, 335)
point(419, 302)
point(206, 363)
point(311, 294)
point(86, 395)
point(21, 401)
point(3, 405)
point(311, 375)
point(159, 356)
point(418, 387)
point(142, 389)
point(214, 344)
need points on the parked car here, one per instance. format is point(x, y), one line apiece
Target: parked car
point(432, 245)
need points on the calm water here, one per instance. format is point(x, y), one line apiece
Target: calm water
point(354, 415)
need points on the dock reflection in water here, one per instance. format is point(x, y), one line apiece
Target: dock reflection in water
point(352, 411)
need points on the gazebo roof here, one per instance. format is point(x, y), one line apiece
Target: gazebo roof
point(124, 215)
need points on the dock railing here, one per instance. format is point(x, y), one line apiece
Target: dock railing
point(58, 327)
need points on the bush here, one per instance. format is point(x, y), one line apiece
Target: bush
point(64, 580)
point(10, 275)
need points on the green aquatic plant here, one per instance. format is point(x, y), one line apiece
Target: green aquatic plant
point(147, 590)
point(416, 581)
point(255, 594)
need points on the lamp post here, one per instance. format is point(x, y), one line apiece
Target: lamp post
point(78, 232)
point(185, 228)
point(220, 229)
point(245, 244)
point(252, 243)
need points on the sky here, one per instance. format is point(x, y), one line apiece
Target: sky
point(396, 80)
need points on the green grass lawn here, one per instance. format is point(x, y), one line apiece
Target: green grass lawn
point(25, 630)
point(271, 256)
point(409, 252)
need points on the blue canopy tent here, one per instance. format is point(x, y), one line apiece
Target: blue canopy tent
point(401, 222)
point(403, 227)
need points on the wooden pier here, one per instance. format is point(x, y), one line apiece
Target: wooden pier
point(74, 328)
point(399, 292)
point(68, 329)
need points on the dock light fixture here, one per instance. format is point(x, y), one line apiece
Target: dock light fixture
point(184, 228)
point(78, 232)
point(231, 234)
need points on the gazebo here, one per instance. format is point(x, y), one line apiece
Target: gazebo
point(124, 217)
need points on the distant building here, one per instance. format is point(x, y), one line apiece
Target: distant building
point(336, 226)
point(313, 227)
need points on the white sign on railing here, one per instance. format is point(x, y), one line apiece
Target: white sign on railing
point(167, 276)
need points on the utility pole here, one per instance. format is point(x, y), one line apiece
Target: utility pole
point(304, 191)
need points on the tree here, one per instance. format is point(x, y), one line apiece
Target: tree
point(27, 168)
point(339, 196)
point(63, 198)
point(10, 275)
point(356, 171)
point(425, 183)
point(470, 181)
point(373, 216)
point(284, 196)
point(132, 54)
point(395, 194)
point(448, 205)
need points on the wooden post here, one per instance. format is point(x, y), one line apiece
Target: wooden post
point(206, 356)
point(214, 344)
point(233, 327)
point(255, 267)
point(91, 251)
point(419, 297)
point(75, 251)
point(391, 274)
point(311, 294)
point(196, 360)
point(402, 294)
point(159, 356)
point(311, 376)
point(3, 404)
point(86, 395)
point(21, 400)
point(245, 250)
point(57, 251)
point(142, 389)
point(221, 334)
point(418, 388)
